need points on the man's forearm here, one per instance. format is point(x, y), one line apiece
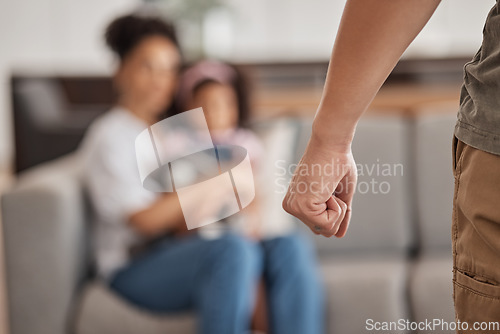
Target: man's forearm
point(372, 36)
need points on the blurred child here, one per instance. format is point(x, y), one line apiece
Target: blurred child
point(293, 289)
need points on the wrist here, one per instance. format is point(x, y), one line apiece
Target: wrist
point(335, 134)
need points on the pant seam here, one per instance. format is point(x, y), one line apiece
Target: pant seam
point(458, 172)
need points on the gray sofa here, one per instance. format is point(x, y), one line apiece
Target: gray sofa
point(395, 262)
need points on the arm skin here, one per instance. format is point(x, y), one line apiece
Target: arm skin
point(372, 36)
point(165, 214)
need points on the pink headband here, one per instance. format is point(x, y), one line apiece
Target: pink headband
point(202, 71)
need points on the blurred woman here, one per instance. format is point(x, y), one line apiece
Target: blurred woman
point(215, 277)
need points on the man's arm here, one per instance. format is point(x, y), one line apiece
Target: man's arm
point(372, 36)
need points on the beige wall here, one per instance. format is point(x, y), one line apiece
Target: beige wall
point(304, 30)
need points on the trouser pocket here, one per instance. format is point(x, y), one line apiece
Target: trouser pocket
point(457, 150)
point(477, 303)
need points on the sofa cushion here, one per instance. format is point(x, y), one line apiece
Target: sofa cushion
point(102, 311)
point(359, 289)
point(431, 288)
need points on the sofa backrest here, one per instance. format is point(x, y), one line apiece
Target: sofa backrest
point(381, 213)
point(279, 138)
point(434, 179)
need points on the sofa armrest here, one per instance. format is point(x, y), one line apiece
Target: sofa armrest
point(44, 231)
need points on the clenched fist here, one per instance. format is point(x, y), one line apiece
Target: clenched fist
point(321, 190)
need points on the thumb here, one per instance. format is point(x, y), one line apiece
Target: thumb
point(346, 194)
point(336, 210)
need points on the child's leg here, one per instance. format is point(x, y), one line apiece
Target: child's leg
point(293, 287)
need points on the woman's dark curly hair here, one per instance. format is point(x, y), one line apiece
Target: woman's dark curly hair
point(125, 32)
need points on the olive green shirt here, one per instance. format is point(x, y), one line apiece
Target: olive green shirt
point(478, 122)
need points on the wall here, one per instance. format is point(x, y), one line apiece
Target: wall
point(305, 30)
point(50, 36)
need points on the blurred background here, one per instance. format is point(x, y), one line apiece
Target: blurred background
point(60, 38)
point(55, 78)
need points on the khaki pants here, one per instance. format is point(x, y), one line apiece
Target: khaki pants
point(476, 236)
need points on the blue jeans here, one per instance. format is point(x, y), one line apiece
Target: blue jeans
point(218, 278)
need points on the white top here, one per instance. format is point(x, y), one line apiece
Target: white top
point(112, 179)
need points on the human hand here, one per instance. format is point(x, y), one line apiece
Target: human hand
point(322, 187)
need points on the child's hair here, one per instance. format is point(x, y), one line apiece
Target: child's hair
point(125, 32)
point(209, 71)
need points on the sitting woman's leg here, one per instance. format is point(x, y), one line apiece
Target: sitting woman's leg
point(296, 305)
point(217, 278)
